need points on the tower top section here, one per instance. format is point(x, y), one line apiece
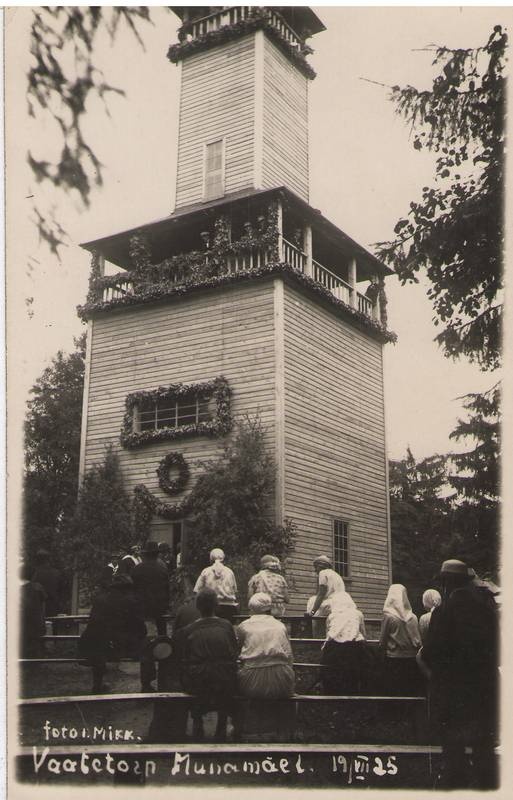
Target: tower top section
point(204, 27)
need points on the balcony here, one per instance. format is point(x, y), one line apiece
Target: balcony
point(118, 286)
point(197, 28)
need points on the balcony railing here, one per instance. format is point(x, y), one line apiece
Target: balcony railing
point(254, 259)
point(231, 16)
point(293, 256)
point(332, 282)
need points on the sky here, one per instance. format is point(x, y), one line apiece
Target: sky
point(364, 173)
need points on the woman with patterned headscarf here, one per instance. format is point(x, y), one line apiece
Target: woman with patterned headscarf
point(269, 581)
point(431, 599)
point(221, 579)
point(399, 641)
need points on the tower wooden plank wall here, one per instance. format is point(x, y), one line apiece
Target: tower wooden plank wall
point(334, 444)
point(247, 93)
point(228, 333)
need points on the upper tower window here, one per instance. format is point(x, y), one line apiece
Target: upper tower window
point(213, 184)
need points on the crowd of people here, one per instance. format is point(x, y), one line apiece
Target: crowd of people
point(450, 653)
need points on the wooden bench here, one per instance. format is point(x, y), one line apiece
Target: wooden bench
point(339, 718)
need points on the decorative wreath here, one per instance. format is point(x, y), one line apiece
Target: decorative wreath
point(178, 484)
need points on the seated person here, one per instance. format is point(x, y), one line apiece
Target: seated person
point(207, 651)
point(269, 581)
point(344, 653)
point(266, 655)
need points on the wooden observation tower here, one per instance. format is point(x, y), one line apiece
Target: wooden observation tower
point(246, 299)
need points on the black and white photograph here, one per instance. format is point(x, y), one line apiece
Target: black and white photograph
point(254, 285)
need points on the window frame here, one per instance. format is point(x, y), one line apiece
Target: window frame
point(206, 143)
point(219, 423)
point(347, 576)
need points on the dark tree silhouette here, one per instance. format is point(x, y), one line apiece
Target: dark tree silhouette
point(456, 231)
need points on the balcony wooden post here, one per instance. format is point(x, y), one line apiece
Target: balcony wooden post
point(280, 229)
point(352, 283)
point(376, 308)
point(307, 237)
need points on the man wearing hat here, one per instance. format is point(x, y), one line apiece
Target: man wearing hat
point(329, 582)
point(269, 581)
point(151, 584)
point(461, 652)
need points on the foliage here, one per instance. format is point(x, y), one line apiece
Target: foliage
point(477, 481)
point(421, 521)
point(52, 448)
point(102, 523)
point(61, 82)
point(175, 485)
point(232, 506)
point(220, 425)
point(456, 231)
point(258, 19)
point(158, 291)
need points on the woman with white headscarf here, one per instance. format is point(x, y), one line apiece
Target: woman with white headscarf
point(399, 641)
point(266, 655)
point(221, 579)
point(431, 599)
point(344, 652)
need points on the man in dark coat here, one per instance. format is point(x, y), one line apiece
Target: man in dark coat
point(32, 618)
point(151, 585)
point(51, 579)
point(115, 630)
point(461, 651)
point(207, 650)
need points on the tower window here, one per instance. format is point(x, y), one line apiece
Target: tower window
point(165, 414)
point(171, 412)
point(214, 170)
point(341, 547)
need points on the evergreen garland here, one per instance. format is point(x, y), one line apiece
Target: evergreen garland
point(160, 291)
point(218, 388)
point(258, 20)
point(178, 484)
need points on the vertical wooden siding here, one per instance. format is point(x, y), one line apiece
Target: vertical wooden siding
point(217, 100)
point(334, 447)
point(228, 333)
point(285, 140)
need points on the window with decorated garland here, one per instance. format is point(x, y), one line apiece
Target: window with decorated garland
point(152, 415)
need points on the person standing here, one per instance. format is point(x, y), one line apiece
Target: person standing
point(344, 653)
point(130, 561)
point(151, 585)
point(115, 630)
point(461, 652)
point(221, 580)
point(207, 652)
point(51, 579)
point(399, 642)
point(431, 599)
point(269, 581)
point(32, 615)
point(328, 582)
